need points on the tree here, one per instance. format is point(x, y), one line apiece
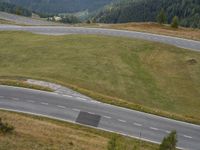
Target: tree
point(112, 144)
point(169, 142)
point(175, 22)
point(5, 127)
point(161, 18)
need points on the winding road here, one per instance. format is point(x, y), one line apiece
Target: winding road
point(61, 30)
point(98, 115)
point(95, 114)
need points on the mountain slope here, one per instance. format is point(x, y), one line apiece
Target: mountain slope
point(59, 6)
point(146, 10)
point(11, 8)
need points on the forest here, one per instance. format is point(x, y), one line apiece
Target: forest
point(188, 11)
point(10, 8)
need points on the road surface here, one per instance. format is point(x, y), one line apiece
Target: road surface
point(61, 30)
point(24, 20)
point(99, 115)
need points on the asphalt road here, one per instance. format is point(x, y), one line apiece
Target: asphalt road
point(60, 30)
point(99, 115)
point(24, 20)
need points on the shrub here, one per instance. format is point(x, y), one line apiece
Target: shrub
point(161, 18)
point(5, 127)
point(112, 144)
point(175, 22)
point(169, 142)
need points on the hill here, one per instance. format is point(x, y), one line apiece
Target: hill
point(60, 6)
point(137, 74)
point(11, 8)
point(124, 11)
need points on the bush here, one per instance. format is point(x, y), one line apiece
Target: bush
point(112, 144)
point(169, 142)
point(161, 18)
point(175, 22)
point(5, 127)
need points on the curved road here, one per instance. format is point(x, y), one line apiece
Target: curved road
point(98, 115)
point(60, 30)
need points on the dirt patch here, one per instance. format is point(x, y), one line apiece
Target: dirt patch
point(191, 61)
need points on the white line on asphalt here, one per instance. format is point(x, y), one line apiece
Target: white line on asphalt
point(16, 99)
point(60, 106)
point(156, 129)
point(91, 113)
point(43, 103)
point(1, 96)
point(30, 101)
point(137, 124)
point(74, 109)
point(108, 117)
point(186, 136)
point(81, 98)
point(167, 131)
point(121, 120)
point(67, 95)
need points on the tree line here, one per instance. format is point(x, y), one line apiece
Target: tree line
point(188, 11)
point(10, 8)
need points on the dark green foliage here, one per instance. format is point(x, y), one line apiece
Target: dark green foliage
point(112, 144)
point(169, 142)
point(60, 6)
point(70, 19)
point(5, 127)
point(188, 11)
point(10, 8)
point(161, 18)
point(175, 22)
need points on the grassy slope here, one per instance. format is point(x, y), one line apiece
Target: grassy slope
point(40, 133)
point(154, 75)
point(155, 28)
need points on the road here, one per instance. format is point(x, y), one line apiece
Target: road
point(61, 30)
point(98, 115)
point(24, 20)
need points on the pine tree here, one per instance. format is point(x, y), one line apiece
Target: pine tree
point(161, 18)
point(175, 22)
point(169, 142)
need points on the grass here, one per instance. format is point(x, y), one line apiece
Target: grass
point(142, 75)
point(155, 28)
point(2, 21)
point(41, 133)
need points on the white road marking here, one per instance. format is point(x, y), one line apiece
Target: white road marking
point(156, 129)
point(30, 101)
point(137, 124)
point(43, 103)
point(74, 109)
point(186, 136)
point(14, 98)
point(108, 117)
point(167, 131)
point(121, 120)
point(1, 96)
point(67, 95)
point(81, 98)
point(91, 113)
point(61, 106)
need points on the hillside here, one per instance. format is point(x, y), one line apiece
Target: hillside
point(188, 11)
point(59, 6)
point(147, 76)
point(11, 8)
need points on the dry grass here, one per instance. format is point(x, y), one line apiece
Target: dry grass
point(36, 133)
point(132, 73)
point(187, 33)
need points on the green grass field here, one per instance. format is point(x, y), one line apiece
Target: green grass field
point(38, 133)
point(138, 74)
